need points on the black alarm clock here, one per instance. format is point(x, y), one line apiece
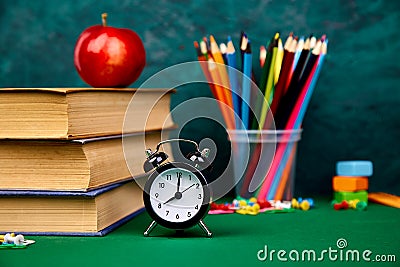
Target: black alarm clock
point(176, 194)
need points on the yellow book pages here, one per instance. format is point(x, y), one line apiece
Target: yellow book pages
point(70, 113)
point(65, 213)
point(76, 165)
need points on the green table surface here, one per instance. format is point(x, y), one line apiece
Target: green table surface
point(237, 240)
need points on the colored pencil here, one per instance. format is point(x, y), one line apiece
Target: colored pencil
point(288, 41)
point(246, 85)
point(300, 108)
point(201, 57)
point(270, 83)
point(283, 83)
point(215, 89)
point(263, 55)
point(284, 110)
point(284, 179)
point(292, 48)
point(222, 48)
point(270, 80)
point(269, 187)
point(288, 78)
point(278, 164)
point(225, 109)
point(305, 102)
point(242, 47)
point(204, 50)
point(262, 85)
point(299, 49)
point(278, 62)
point(217, 56)
point(257, 148)
point(234, 82)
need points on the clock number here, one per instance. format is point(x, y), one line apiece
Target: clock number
point(199, 196)
point(197, 186)
point(169, 177)
point(189, 214)
point(156, 195)
point(190, 177)
point(159, 205)
point(167, 213)
point(197, 207)
point(177, 216)
point(178, 175)
point(161, 185)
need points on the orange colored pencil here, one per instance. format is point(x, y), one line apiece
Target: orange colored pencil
point(285, 176)
point(204, 66)
point(227, 112)
point(217, 56)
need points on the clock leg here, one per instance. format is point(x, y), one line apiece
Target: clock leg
point(204, 228)
point(150, 228)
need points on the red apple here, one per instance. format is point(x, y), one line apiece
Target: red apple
point(109, 57)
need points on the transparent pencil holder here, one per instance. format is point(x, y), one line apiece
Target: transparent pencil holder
point(264, 162)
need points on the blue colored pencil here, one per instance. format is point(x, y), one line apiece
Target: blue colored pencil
point(297, 54)
point(246, 85)
point(233, 80)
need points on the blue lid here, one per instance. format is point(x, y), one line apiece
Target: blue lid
point(354, 168)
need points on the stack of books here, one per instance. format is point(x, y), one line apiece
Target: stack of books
point(63, 169)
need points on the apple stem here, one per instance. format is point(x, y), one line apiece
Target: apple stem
point(104, 19)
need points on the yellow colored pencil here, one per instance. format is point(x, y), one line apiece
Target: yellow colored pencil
point(278, 62)
point(269, 87)
point(270, 83)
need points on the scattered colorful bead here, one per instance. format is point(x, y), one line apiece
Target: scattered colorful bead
point(253, 206)
point(11, 240)
point(341, 206)
point(355, 204)
point(302, 204)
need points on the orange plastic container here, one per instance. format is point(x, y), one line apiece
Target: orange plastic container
point(350, 183)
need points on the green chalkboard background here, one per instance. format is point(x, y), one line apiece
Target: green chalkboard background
point(354, 112)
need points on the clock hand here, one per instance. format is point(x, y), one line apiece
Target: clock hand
point(169, 200)
point(188, 188)
point(179, 183)
point(178, 195)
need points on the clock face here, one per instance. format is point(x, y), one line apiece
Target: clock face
point(176, 195)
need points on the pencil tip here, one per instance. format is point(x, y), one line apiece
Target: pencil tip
point(212, 39)
point(222, 48)
point(203, 47)
point(248, 46)
point(230, 49)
